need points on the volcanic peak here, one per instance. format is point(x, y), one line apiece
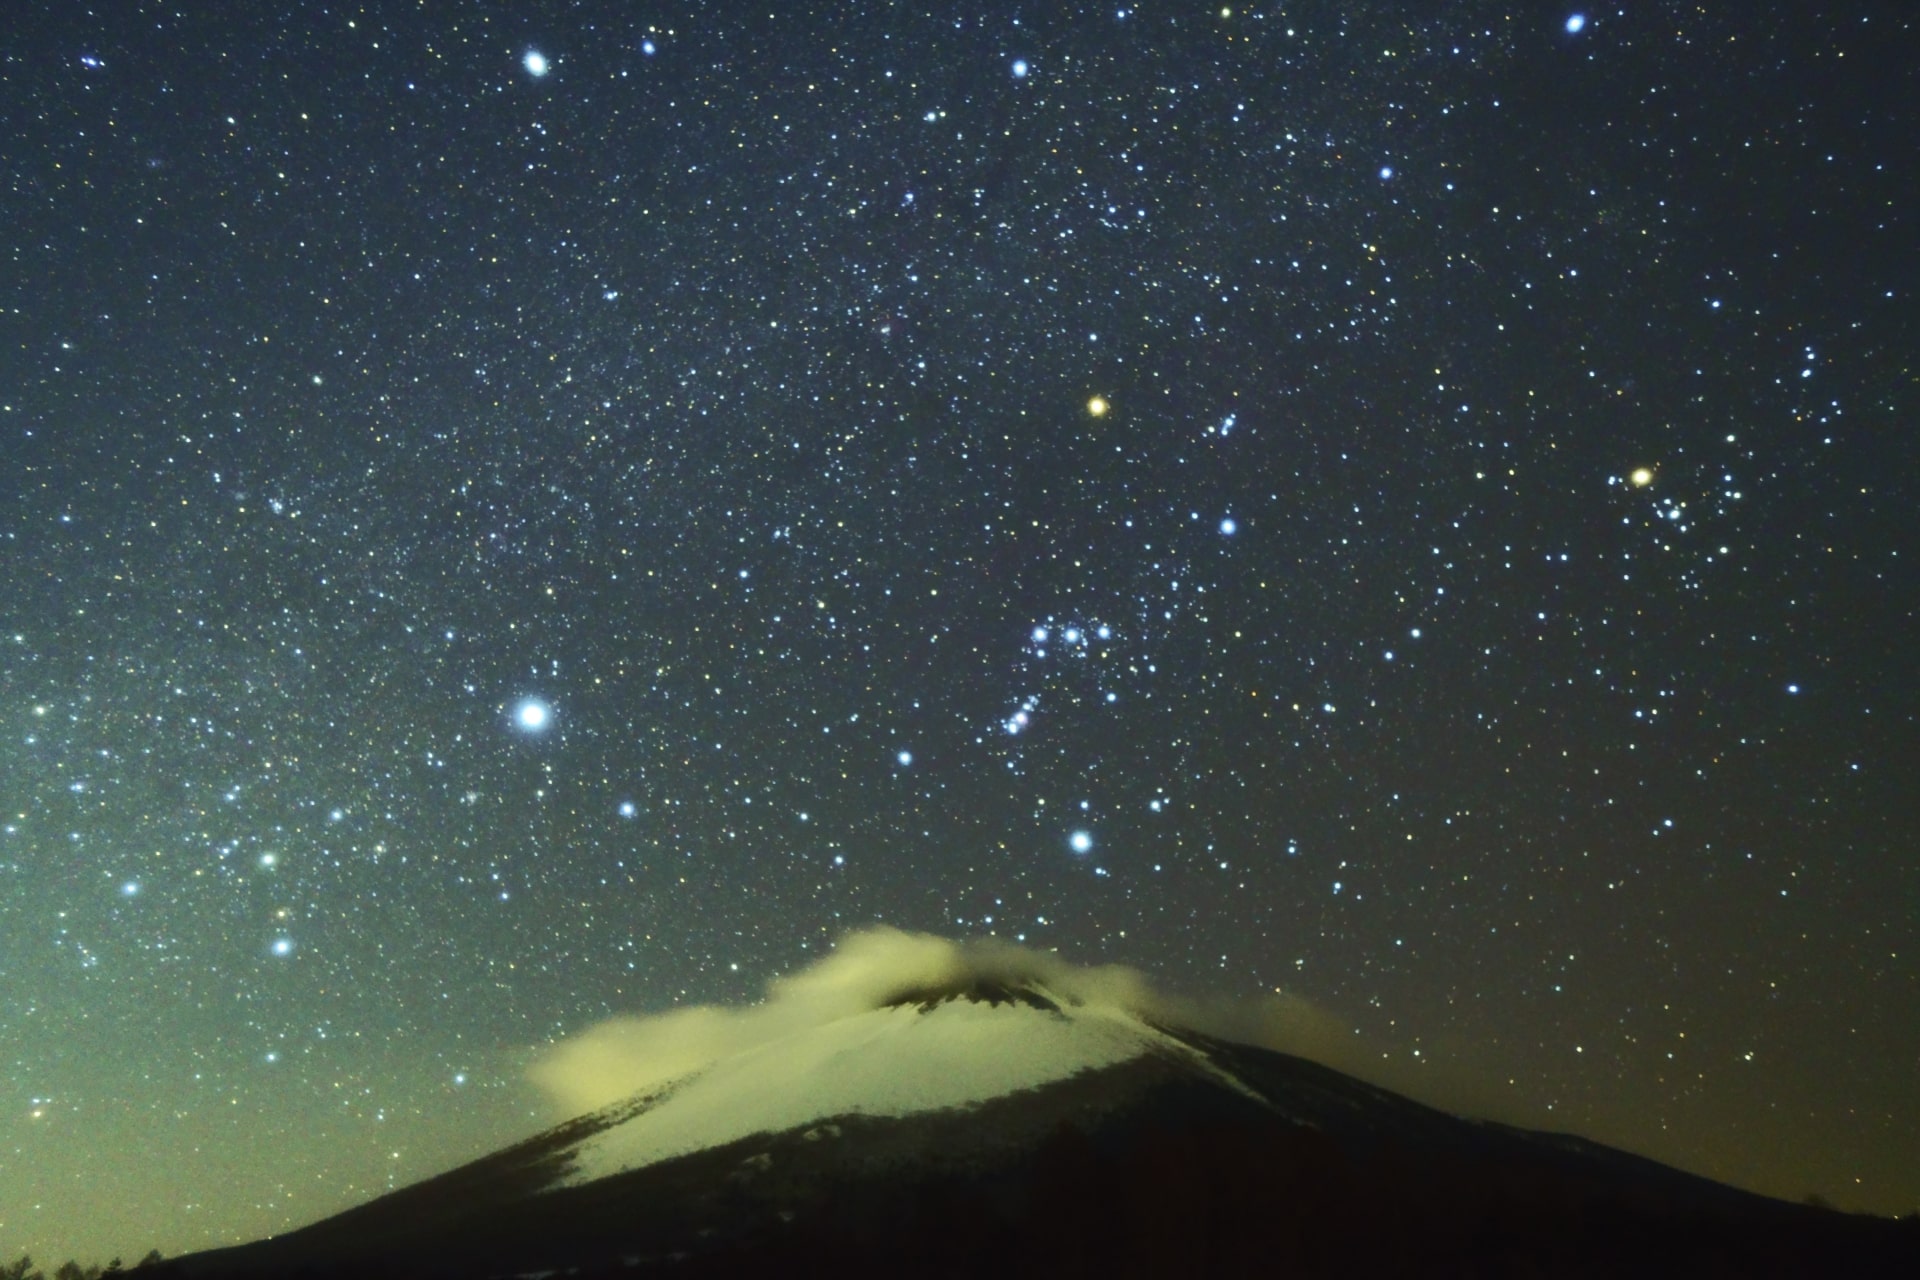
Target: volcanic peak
point(976, 989)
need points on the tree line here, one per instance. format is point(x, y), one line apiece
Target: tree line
point(22, 1268)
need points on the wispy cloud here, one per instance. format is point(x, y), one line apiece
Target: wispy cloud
point(872, 968)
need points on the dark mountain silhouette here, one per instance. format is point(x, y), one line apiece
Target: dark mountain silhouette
point(1125, 1148)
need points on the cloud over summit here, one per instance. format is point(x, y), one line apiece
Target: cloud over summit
point(875, 967)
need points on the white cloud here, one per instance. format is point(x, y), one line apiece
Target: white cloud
point(872, 968)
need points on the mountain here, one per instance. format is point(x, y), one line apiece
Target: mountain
point(997, 1125)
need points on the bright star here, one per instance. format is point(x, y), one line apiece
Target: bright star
point(1641, 477)
point(536, 63)
point(1019, 68)
point(1576, 23)
point(905, 758)
point(283, 946)
point(1080, 842)
point(533, 715)
point(1098, 406)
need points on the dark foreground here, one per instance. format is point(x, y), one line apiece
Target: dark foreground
point(1140, 1171)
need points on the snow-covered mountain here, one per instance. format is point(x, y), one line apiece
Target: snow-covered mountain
point(987, 1122)
point(923, 1051)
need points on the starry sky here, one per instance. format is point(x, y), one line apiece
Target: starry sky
point(514, 514)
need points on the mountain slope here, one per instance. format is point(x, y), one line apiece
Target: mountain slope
point(1005, 1127)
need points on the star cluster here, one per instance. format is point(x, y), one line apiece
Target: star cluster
point(517, 514)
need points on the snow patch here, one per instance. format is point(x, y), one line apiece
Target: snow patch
point(887, 1062)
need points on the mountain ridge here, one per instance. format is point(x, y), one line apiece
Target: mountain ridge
point(1173, 1150)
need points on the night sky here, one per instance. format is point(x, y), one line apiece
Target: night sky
point(516, 513)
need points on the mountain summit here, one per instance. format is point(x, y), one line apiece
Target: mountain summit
point(1011, 1118)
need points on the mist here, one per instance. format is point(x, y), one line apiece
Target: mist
point(873, 967)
